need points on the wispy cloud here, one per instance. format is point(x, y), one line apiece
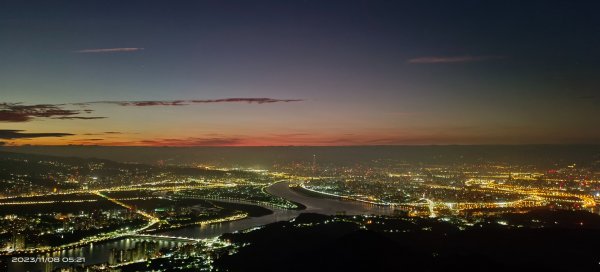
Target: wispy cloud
point(104, 133)
point(79, 117)
point(17, 112)
point(144, 103)
point(453, 59)
point(193, 141)
point(110, 50)
point(18, 134)
point(246, 100)
point(195, 101)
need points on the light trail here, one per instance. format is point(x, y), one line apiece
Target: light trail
point(129, 207)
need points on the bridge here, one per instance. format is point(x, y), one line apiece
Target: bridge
point(165, 237)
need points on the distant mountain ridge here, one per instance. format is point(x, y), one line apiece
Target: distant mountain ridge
point(541, 155)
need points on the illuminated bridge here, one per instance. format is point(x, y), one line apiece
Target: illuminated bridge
point(164, 237)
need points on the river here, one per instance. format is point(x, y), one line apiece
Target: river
point(99, 252)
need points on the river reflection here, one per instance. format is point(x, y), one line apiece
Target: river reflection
point(281, 189)
point(326, 206)
point(98, 253)
point(93, 253)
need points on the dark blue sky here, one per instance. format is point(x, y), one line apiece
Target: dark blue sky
point(366, 72)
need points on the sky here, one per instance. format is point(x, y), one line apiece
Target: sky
point(278, 73)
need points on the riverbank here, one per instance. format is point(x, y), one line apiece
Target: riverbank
point(99, 252)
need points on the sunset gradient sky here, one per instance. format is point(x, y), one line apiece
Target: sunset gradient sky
point(238, 73)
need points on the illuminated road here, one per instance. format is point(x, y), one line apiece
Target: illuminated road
point(101, 237)
point(325, 205)
point(152, 218)
point(431, 206)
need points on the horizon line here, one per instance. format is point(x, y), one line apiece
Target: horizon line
point(247, 146)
